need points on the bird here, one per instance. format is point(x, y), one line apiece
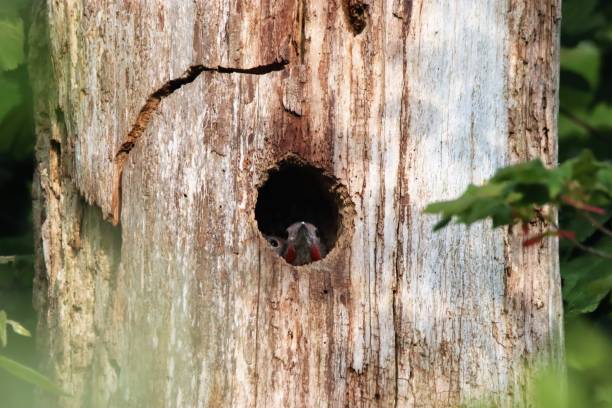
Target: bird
point(303, 244)
point(278, 244)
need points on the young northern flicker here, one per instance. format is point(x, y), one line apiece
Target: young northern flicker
point(278, 245)
point(303, 244)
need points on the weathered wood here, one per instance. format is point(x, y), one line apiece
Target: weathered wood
point(165, 116)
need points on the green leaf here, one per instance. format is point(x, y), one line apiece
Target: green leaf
point(463, 203)
point(531, 171)
point(483, 208)
point(515, 193)
point(587, 280)
point(11, 43)
point(533, 181)
point(604, 177)
point(19, 329)
point(601, 117)
point(584, 60)
point(3, 328)
point(442, 223)
point(30, 375)
point(583, 169)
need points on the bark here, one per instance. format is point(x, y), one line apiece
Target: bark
point(157, 121)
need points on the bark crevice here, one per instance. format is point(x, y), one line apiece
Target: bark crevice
point(152, 104)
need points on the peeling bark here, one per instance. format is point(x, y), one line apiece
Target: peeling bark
point(165, 118)
point(151, 105)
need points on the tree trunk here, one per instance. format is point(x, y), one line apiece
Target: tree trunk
point(158, 123)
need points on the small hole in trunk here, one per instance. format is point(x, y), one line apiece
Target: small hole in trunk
point(356, 12)
point(298, 211)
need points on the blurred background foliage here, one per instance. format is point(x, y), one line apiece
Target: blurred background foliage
point(16, 168)
point(585, 122)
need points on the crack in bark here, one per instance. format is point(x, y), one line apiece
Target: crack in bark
point(152, 104)
point(291, 111)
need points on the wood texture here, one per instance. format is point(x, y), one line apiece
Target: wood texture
point(183, 303)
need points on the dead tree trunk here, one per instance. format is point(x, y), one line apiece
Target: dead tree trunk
point(167, 119)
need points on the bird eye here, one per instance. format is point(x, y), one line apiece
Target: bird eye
point(273, 242)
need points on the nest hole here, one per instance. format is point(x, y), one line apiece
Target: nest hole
point(296, 191)
point(356, 12)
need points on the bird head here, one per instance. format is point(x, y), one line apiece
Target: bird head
point(303, 244)
point(277, 244)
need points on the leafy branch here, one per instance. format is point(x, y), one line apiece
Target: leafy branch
point(526, 192)
point(17, 369)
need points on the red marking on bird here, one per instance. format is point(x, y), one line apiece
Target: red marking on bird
point(303, 244)
point(290, 254)
point(315, 254)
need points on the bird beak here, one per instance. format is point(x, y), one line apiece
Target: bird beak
point(303, 235)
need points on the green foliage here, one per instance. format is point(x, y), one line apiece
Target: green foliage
point(17, 369)
point(16, 131)
point(17, 328)
point(587, 280)
point(588, 382)
point(517, 193)
point(30, 375)
point(586, 87)
point(11, 51)
point(584, 382)
point(16, 159)
point(581, 186)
